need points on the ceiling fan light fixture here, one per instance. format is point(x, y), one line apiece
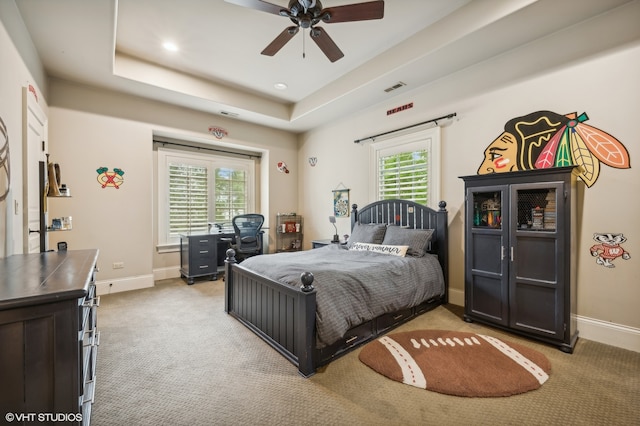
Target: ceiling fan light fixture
point(304, 22)
point(306, 14)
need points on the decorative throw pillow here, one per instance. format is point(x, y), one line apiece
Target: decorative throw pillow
point(416, 239)
point(372, 233)
point(400, 251)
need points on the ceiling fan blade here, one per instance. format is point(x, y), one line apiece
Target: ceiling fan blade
point(326, 44)
point(356, 12)
point(258, 5)
point(280, 41)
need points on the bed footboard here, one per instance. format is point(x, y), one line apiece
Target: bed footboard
point(282, 315)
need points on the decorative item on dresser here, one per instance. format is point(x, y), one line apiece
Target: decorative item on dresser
point(48, 334)
point(520, 253)
point(284, 315)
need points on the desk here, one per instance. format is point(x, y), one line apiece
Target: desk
point(203, 254)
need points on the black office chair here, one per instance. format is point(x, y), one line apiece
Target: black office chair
point(247, 228)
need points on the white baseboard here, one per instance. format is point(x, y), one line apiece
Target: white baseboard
point(124, 284)
point(165, 273)
point(609, 333)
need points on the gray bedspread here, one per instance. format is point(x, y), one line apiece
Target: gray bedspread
point(354, 286)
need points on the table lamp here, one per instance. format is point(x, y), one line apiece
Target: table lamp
point(336, 238)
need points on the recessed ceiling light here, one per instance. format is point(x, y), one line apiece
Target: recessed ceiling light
point(170, 46)
point(280, 86)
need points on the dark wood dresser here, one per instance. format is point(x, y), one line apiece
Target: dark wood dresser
point(48, 336)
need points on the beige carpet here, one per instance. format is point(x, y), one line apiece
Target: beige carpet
point(169, 355)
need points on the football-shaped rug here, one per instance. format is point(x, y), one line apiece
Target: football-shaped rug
point(457, 363)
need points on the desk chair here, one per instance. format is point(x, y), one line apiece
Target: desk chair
point(247, 228)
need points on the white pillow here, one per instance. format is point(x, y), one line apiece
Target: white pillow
point(380, 248)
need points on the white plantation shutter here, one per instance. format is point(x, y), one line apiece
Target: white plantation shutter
point(404, 176)
point(195, 189)
point(188, 198)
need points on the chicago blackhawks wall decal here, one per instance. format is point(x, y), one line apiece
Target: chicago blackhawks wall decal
point(107, 178)
point(545, 139)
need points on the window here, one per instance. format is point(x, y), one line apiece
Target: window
point(197, 189)
point(407, 167)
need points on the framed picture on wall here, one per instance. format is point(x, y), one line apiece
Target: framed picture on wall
point(341, 203)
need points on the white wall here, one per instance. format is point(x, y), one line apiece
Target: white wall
point(607, 87)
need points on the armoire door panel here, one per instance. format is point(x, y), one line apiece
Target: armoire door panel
point(487, 295)
point(487, 253)
point(536, 258)
point(536, 308)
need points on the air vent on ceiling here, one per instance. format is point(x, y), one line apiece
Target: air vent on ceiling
point(395, 86)
point(229, 114)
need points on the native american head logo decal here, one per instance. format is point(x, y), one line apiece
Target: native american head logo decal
point(545, 139)
point(107, 178)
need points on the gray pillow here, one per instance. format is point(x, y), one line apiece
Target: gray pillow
point(416, 239)
point(372, 233)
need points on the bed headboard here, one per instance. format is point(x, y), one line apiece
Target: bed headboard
point(410, 215)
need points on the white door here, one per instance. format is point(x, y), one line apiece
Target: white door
point(34, 135)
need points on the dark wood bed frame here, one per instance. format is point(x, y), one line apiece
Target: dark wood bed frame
point(284, 316)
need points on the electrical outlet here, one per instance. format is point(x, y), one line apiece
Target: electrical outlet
point(118, 265)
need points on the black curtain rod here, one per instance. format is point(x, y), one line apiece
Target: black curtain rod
point(434, 120)
point(208, 149)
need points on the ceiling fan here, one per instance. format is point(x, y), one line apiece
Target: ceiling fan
point(307, 14)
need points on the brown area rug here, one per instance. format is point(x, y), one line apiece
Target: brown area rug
point(457, 363)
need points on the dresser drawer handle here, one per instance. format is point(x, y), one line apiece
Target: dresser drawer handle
point(91, 303)
point(204, 251)
point(397, 317)
point(94, 339)
point(351, 339)
point(204, 241)
point(91, 398)
point(203, 266)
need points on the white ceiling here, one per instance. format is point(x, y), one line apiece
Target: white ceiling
point(116, 44)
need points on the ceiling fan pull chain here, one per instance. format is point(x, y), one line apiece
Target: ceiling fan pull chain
point(303, 44)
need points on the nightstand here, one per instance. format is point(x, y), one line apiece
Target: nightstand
point(321, 243)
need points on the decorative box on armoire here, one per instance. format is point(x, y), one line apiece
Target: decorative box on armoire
point(520, 253)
